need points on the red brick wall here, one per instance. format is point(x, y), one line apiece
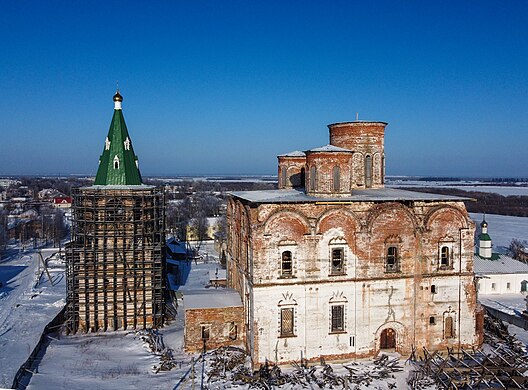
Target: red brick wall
point(219, 322)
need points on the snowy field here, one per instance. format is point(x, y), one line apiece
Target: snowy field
point(503, 228)
point(25, 307)
point(516, 190)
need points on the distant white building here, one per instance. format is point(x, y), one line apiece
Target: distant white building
point(497, 273)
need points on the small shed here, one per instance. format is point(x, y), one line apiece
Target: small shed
point(213, 318)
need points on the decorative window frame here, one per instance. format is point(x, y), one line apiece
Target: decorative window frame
point(449, 313)
point(337, 300)
point(117, 163)
point(287, 304)
point(337, 243)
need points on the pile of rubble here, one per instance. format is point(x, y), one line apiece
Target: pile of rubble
point(154, 342)
point(229, 365)
point(503, 365)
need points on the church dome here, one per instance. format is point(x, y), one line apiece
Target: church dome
point(484, 224)
point(118, 97)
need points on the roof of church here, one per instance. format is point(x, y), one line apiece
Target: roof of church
point(295, 153)
point(329, 148)
point(499, 264)
point(118, 163)
point(360, 195)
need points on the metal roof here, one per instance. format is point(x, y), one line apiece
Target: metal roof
point(360, 195)
point(118, 163)
point(503, 265)
point(329, 148)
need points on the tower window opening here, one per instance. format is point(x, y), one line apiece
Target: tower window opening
point(336, 176)
point(286, 264)
point(368, 171)
point(391, 261)
point(116, 162)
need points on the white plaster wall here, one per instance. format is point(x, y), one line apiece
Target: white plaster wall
point(501, 282)
point(370, 306)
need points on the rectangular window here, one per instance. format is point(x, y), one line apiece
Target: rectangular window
point(233, 331)
point(391, 261)
point(433, 289)
point(508, 286)
point(337, 261)
point(493, 286)
point(286, 263)
point(206, 332)
point(432, 320)
point(444, 257)
point(449, 329)
point(338, 318)
point(286, 329)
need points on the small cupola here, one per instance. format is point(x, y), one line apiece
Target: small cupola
point(118, 100)
point(485, 247)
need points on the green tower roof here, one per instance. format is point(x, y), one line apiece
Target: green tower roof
point(118, 163)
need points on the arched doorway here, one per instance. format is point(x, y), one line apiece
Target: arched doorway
point(388, 339)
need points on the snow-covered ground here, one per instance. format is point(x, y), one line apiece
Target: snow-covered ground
point(25, 307)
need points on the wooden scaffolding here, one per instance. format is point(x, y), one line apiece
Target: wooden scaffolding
point(115, 261)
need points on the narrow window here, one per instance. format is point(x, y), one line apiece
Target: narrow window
point(432, 321)
point(126, 143)
point(233, 331)
point(391, 264)
point(337, 261)
point(524, 285)
point(338, 318)
point(286, 263)
point(493, 286)
point(313, 178)
point(286, 321)
point(433, 289)
point(508, 286)
point(368, 171)
point(303, 177)
point(444, 256)
point(283, 176)
point(336, 176)
point(206, 330)
point(449, 331)
point(116, 162)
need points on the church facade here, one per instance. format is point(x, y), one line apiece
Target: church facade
point(332, 264)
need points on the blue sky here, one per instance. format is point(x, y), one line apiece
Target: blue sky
point(222, 87)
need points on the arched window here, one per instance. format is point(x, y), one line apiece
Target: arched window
point(338, 260)
point(524, 286)
point(368, 171)
point(286, 264)
point(445, 257)
point(391, 261)
point(116, 162)
point(336, 176)
point(313, 178)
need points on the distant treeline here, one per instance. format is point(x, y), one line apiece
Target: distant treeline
point(494, 180)
point(485, 202)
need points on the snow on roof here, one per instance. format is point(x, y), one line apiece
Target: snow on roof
point(295, 153)
point(211, 298)
point(330, 148)
point(367, 195)
point(503, 265)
